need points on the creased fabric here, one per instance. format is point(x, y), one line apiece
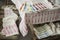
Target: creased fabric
point(9, 25)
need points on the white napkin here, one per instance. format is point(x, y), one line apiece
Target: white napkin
point(22, 25)
point(10, 28)
point(9, 25)
point(8, 12)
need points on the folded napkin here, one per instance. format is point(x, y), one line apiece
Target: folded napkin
point(9, 25)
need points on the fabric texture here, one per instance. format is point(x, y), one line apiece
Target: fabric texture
point(43, 31)
point(9, 25)
point(25, 6)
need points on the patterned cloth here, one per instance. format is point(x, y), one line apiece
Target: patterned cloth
point(43, 16)
point(40, 6)
point(9, 25)
point(43, 31)
point(10, 30)
point(25, 6)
